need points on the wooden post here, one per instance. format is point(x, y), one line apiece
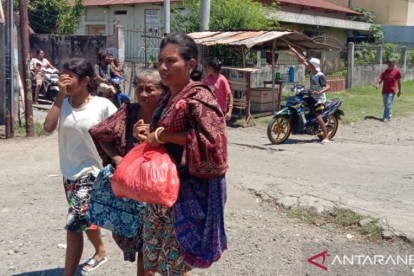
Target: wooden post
point(27, 84)
point(273, 76)
point(249, 118)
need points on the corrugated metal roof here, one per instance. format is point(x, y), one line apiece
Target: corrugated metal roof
point(264, 39)
point(320, 4)
point(88, 3)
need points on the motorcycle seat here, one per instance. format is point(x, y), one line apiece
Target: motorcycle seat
point(332, 102)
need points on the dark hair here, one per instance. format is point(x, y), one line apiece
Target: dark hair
point(196, 75)
point(187, 47)
point(215, 64)
point(82, 68)
point(38, 51)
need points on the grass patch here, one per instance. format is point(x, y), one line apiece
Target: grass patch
point(342, 218)
point(21, 129)
point(371, 230)
point(346, 218)
point(308, 215)
point(364, 102)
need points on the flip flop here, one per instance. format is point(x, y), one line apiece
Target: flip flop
point(93, 264)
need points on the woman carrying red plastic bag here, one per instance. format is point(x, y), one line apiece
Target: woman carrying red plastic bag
point(191, 126)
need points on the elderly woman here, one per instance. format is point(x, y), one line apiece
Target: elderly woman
point(115, 136)
point(191, 125)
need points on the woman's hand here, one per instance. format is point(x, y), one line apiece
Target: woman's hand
point(151, 140)
point(64, 81)
point(228, 116)
point(117, 159)
point(140, 130)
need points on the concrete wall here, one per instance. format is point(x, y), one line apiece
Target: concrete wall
point(319, 20)
point(134, 17)
point(368, 74)
point(388, 12)
point(57, 48)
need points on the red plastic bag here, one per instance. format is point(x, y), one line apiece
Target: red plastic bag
point(147, 174)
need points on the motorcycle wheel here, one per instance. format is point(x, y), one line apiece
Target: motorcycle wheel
point(279, 130)
point(332, 125)
point(51, 95)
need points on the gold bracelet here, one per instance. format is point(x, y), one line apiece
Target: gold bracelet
point(156, 133)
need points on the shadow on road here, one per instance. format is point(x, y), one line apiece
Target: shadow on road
point(47, 272)
point(372, 118)
point(294, 141)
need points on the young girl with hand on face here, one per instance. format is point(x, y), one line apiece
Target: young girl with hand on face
point(73, 113)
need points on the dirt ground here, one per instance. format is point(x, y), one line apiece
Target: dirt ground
point(262, 239)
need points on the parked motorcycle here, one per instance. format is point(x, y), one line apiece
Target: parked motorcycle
point(119, 97)
point(296, 117)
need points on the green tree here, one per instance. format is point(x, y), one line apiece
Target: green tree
point(53, 16)
point(224, 15)
point(69, 20)
point(368, 16)
point(376, 32)
point(365, 54)
point(390, 51)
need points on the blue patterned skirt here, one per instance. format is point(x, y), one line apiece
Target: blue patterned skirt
point(198, 217)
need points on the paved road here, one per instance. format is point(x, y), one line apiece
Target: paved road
point(367, 170)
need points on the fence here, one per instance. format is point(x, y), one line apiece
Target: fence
point(367, 61)
point(142, 46)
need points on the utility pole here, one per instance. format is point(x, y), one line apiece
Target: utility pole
point(9, 120)
point(2, 67)
point(205, 15)
point(167, 17)
point(25, 67)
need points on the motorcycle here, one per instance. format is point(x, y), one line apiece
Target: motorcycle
point(296, 117)
point(119, 98)
point(50, 88)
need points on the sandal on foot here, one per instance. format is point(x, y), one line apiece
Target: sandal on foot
point(91, 264)
point(325, 141)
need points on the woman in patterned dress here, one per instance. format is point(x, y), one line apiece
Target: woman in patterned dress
point(191, 125)
point(114, 138)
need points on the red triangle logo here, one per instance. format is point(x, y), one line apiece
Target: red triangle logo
point(312, 259)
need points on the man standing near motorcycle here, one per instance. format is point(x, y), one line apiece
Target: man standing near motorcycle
point(318, 86)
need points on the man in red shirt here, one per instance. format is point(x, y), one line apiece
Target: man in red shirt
point(390, 77)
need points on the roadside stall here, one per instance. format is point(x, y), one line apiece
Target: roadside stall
point(252, 92)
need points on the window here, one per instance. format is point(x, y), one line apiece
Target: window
point(313, 33)
point(124, 12)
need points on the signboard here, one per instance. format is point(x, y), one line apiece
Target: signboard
point(152, 19)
